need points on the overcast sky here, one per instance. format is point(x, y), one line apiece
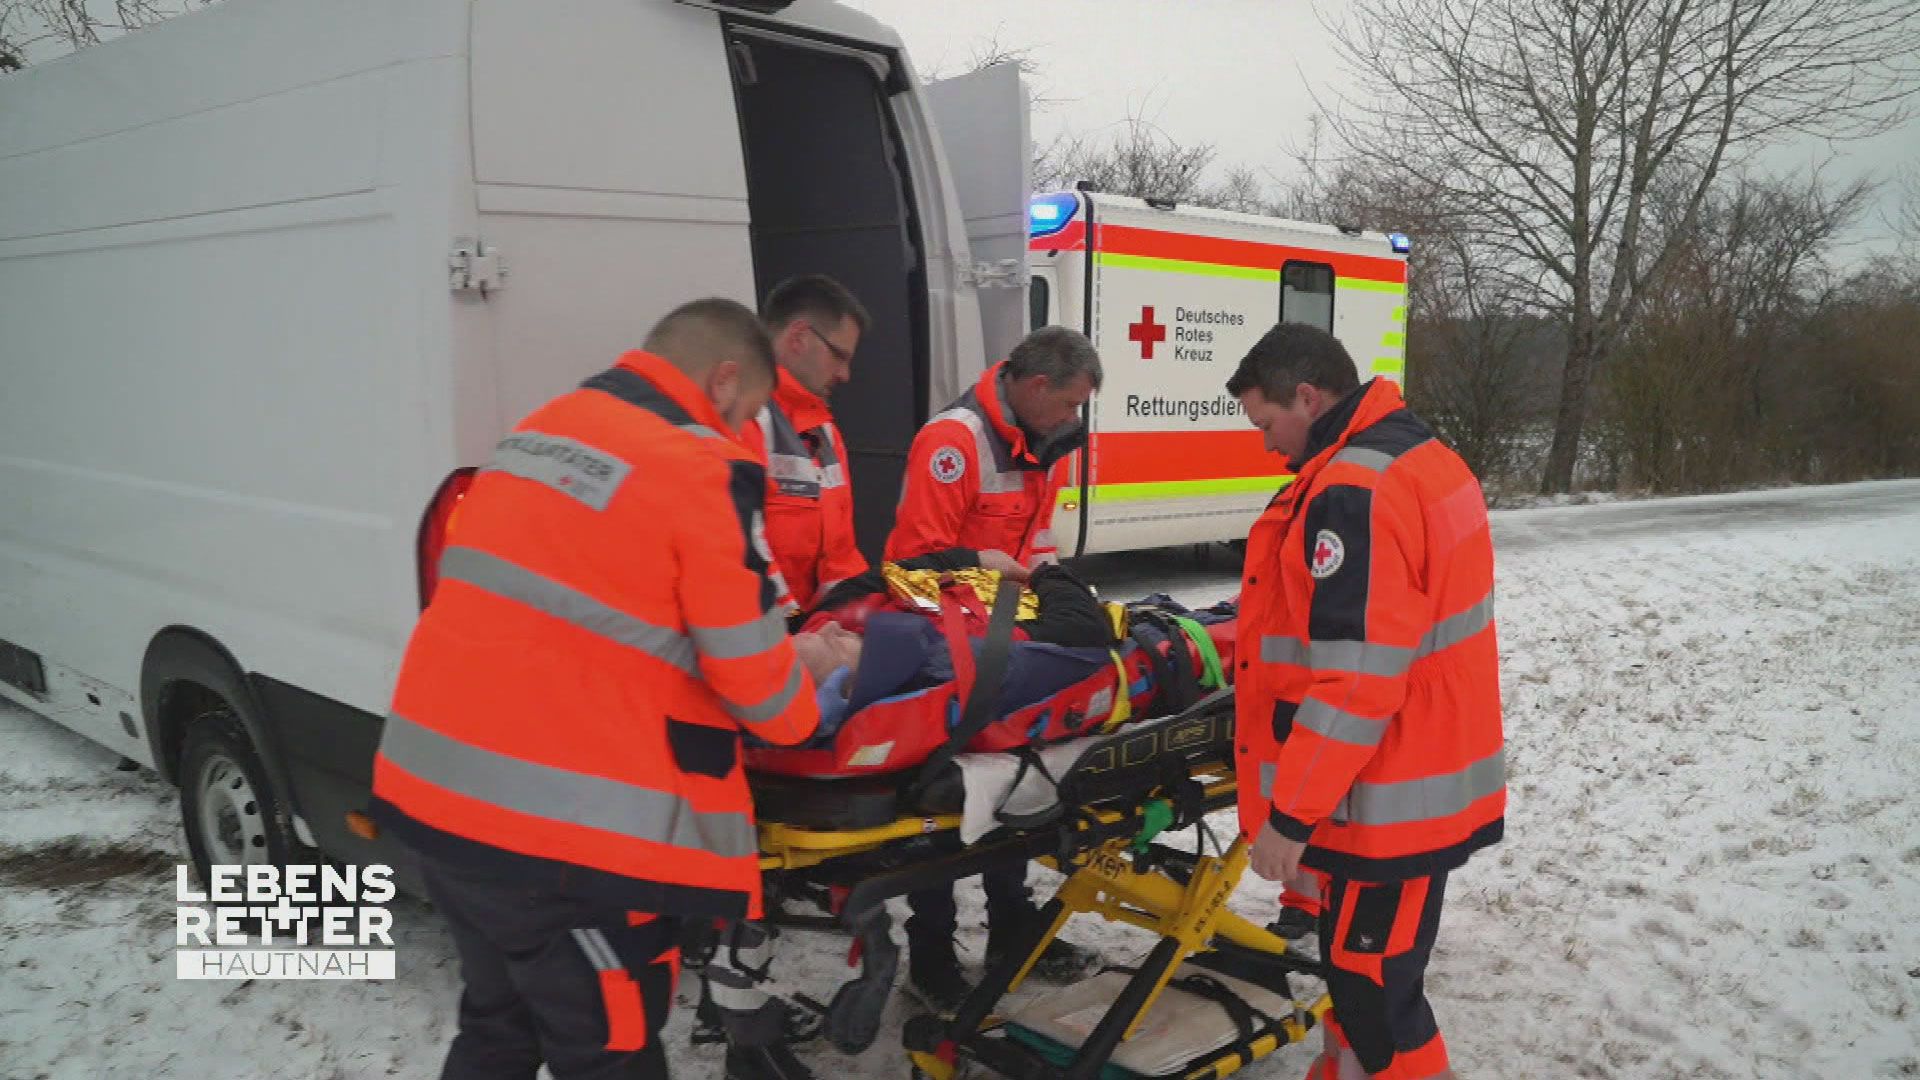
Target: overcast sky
point(1234, 73)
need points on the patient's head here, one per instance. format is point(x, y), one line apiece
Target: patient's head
point(827, 649)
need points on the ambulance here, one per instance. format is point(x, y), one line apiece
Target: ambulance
point(1173, 297)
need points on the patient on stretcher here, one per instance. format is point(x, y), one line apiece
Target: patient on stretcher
point(894, 654)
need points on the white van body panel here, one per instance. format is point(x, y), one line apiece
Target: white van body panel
point(233, 366)
point(212, 293)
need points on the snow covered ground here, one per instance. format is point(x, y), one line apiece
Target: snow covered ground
point(1713, 863)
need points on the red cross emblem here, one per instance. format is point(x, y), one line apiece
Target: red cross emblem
point(1329, 551)
point(1146, 333)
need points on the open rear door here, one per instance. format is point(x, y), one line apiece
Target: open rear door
point(982, 120)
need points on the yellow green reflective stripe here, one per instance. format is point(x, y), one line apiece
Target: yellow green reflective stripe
point(1183, 266)
point(1394, 339)
point(1389, 365)
point(1177, 489)
point(1399, 314)
point(1369, 285)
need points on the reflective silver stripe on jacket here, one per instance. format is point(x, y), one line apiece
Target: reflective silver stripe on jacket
point(795, 468)
point(1376, 460)
point(1429, 799)
point(746, 639)
point(774, 705)
point(1352, 657)
point(1457, 628)
point(555, 794)
point(513, 582)
point(1330, 723)
point(1367, 658)
point(997, 476)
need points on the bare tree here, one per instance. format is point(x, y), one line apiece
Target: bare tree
point(1906, 217)
point(1711, 386)
point(1551, 125)
point(35, 29)
point(1138, 159)
point(1241, 190)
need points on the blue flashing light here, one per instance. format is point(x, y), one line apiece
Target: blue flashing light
point(1048, 214)
point(1399, 243)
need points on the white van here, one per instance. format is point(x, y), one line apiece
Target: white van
point(1173, 297)
point(274, 273)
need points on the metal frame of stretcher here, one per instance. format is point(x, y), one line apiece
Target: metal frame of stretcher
point(1142, 780)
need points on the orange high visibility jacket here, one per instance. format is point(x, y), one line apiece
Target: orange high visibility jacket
point(1369, 690)
point(974, 481)
point(570, 706)
point(809, 500)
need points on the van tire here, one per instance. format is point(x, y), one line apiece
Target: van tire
point(228, 806)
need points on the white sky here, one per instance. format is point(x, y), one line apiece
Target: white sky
point(1234, 73)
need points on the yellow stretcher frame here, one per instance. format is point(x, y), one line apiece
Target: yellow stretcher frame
point(1102, 880)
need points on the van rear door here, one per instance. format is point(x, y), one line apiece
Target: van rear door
point(609, 178)
point(983, 125)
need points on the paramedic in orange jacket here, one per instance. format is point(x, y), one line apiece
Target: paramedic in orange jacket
point(985, 473)
point(1369, 745)
point(816, 325)
point(983, 476)
point(563, 749)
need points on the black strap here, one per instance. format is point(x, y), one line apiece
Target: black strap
point(983, 700)
point(1244, 1016)
point(1030, 759)
point(1237, 1009)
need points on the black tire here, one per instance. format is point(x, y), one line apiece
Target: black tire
point(229, 807)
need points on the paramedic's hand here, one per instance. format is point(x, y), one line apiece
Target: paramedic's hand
point(1275, 857)
point(1005, 563)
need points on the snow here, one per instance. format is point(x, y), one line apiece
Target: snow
point(1712, 866)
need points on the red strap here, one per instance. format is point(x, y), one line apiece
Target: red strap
point(954, 625)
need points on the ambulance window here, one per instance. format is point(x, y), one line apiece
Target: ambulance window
point(1306, 294)
point(1038, 298)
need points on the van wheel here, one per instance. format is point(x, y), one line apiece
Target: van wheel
point(231, 813)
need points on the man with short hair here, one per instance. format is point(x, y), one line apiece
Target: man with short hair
point(816, 325)
point(563, 749)
point(1368, 710)
point(984, 476)
point(985, 473)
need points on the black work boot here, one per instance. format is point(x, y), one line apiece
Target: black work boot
point(933, 973)
point(773, 1061)
point(1294, 923)
point(1010, 929)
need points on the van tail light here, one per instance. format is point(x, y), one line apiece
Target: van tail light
point(433, 528)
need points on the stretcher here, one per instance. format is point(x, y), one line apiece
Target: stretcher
point(848, 846)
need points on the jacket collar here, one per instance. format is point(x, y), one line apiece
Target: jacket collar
point(991, 392)
point(671, 382)
point(804, 408)
point(1359, 410)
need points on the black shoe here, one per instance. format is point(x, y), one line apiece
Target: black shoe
point(1294, 924)
point(1061, 961)
point(934, 975)
point(774, 1061)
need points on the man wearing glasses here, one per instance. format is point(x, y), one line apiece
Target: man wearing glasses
point(816, 325)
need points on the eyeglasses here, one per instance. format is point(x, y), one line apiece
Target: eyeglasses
point(839, 353)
